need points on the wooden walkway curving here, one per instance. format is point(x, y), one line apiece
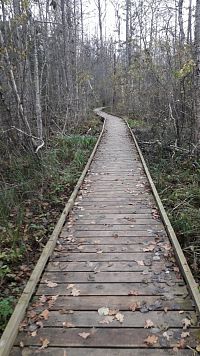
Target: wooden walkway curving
point(112, 286)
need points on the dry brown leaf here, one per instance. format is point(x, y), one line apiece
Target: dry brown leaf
point(34, 333)
point(52, 301)
point(43, 299)
point(151, 340)
point(113, 311)
point(134, 306)
point(166, 335)
point(67, 324)
point(40, 324)
point(45, 343)
point(70, 286)
point(181, 344)
point(51, 284)
point(75, 292)
point(107, 320)
point(148, 324)
point(103, 311)
point(21, 344)
point(119, 317)
point(149, 248)
point(198, 348)
point(186, 323)
point(45, 314)
point(185, 334)
point(140, 263)
point(84, 335)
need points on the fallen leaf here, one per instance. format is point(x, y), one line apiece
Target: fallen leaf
point(84, 335)
point(43, 299)
point(165, 334)
point(45, 314)
point(75, 292)
point(45, 343)
point(148, 324)
point(165, 309)
point(181, 344)
point(66, 324)
point(21, 344)
point(34, 333)
point(186, 323)
point(103, 311)
point(140, 263)
point(70, 286)
point(119, 317)
point(149, 248)
point(107, 320)
point(134, 306)
point(185, 334)
point(115, 236)
point(40, 324)
point(113, 311)
point(52, 301)
point(198, 348)
point(151, 340)
point(51, 284)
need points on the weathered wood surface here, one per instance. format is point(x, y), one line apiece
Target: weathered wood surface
point(113, 252)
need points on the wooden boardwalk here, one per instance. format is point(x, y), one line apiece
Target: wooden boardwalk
point(112, 286)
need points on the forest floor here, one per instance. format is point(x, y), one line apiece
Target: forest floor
point(33, 193)
point(177, 179)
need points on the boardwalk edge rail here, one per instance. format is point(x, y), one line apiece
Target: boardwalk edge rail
point(9, 335)
point(184, 267)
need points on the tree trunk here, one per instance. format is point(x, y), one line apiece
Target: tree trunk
point(197, 74)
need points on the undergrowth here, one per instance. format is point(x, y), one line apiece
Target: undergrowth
point(177, 178)
point(33, 191)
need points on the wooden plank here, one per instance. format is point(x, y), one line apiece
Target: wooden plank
point(155, 302)
point(113, 277)
point(160, 319)
point(118, 289)
point(116, 227)
point(116, 221)
point(112, 337)
point(89, 215)
point(10, 332)
point(102, 266)
point(109, 233)
point(119, 240)
point(52, 351)
point(111, 256)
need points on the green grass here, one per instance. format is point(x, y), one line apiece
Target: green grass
point(178, 184)
point(33, 193)
point(135, 123)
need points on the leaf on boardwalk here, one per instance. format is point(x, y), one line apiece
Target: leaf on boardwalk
point(70, 286)
point(99, 251)
point(119, 317)
point(115, 236)
point(107, 320)
point(84, 335)
point(140, 263)
point(149, 248)
point(52, 300)
point(185, 334)
point(148, 324)
point(51, 284)
point(67, 324)
point(21, 344)
point(134, 306)
point(113, 311)
point(198, 348)
point(75, 292)
point(45, 343)
point(45, 314)
point(34, 333)
point(151, 340)
point(103, 311)
point(186, 323)
point(166, 335)
point(43, 299)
